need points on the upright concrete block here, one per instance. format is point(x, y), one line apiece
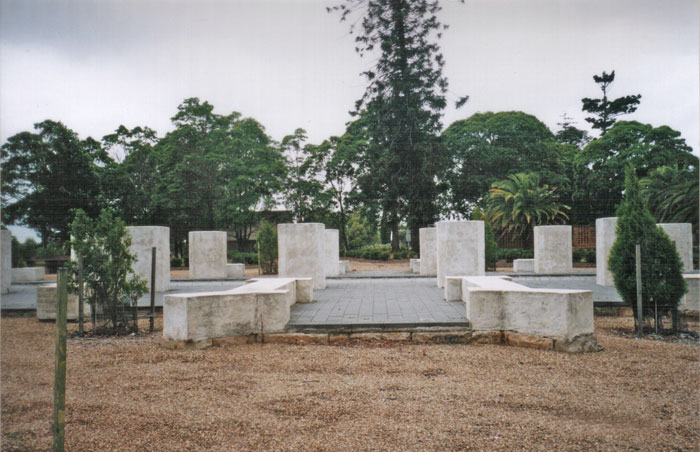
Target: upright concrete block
point(460, 249)
point(428, 251)
point(301, 249)
point(605, 235)
point(5, 260)
point(332, 252)
point(691, 300)
point(681, 234)
point(553, 249)
point(142, 239)
point(207, 254)
point(28, 274)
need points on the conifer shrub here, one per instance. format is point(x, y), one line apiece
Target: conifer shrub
point(491, 246)
point(662, 278)
point(266, 246)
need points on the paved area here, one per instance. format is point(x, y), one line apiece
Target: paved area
point(601, 294)
point(378, 302)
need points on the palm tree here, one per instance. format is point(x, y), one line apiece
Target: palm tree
point(672, 195)
point(519, 203)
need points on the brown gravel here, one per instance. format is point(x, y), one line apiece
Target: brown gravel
point(130, 394)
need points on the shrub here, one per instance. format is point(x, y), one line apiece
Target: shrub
point(23, 252)
point(243, 257)
point(360, 232)
point(662, 278)
point(176, 262)
point(491, 247)
point(103, 245)
point(266, 245)
point(510, 254)
point(584, 255)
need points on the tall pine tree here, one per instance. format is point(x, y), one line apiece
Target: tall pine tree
point(401, 108)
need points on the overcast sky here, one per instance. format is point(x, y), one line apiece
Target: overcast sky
point(97, 64)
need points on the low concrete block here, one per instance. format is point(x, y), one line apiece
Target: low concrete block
point(553, 253)
point(207, 254)
point(523, 265)
point(5, 260)
point(235, 271)
point(46, 297)
point(341, 268)
point(428, 251)
point(28, 274)
point(681, 234)
point(260, 306)
point(347, 266)
point(605, 235)
point(415, 265)
point(302, 251)
point(691, 300)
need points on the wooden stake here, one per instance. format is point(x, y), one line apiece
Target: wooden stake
point(59, 386)
point(640, 317)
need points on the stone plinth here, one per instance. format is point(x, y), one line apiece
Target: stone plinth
point(523, 265)
point(301, 249)
point(681, 234)
point(143, 238)
point(605, 235)
point(428, 251)
point(28, 274)
point(236, 271)
point(5, 260)
point(460, 249)
point(553, 249)
point(46, 304)
point(415, 265)
point(207, 254)
point(691, 300)
point(332, 252)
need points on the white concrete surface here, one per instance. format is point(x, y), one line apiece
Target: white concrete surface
point(301, 251)
point(428, 251)
point(262, 305)
point(605, 235)
point(332, 251)
point(523, 265)
point(46, 297)
point(553, 253)
point(236, 271)
point(681, 234)
point(498, 304)
point(5, 260)
point(143, 238)
point(691, 300)
point(460, 249)
point(415, 265)
point(207, 254)
point(28, 274)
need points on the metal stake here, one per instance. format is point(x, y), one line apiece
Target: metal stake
point(640, 317)
point(151, 321)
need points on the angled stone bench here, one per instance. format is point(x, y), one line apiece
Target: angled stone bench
point(260, 305)
point(555, 318)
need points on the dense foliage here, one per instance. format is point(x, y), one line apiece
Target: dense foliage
point(266, 246)
point(662, 278)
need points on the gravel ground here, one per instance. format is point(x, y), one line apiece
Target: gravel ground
point(130, 394)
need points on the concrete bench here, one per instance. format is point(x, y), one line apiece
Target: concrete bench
point(46, 296)
point(498, 304)
point(415, 265)
point(260, 305)
point(28, 274)
point(236, 271)
point(524, 265)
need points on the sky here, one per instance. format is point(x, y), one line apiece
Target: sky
point(95, 65)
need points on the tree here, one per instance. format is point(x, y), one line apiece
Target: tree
point(662, 279)
point(266, 246)
point(360, 232)
point(47, 174)
point(606, 111)
point(303, 192)
point(491, 246)
point(487, 147)
point(519, 203)
point(599, 169)
point(110, 287)
point(401, 107)
point(568, 134)
point(672, 194)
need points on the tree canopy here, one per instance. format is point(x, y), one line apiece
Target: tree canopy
point(606, 111)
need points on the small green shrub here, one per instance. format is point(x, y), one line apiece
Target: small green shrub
point(584, 255)
point(242, 257)
point(176, 262)
point(510, 254)
point(491, 246)
point(266, 245)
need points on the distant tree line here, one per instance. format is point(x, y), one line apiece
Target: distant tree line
point(394, 169)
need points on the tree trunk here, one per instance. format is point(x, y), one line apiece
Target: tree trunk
point(395, 245)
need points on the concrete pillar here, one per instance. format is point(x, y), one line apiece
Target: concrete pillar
point(207, 254)
point(5, 260)
point(681, 234)
point(332, 252)
point(428, 251)
point(553, 249)
point(605, 235)
point(301, 249)
point(142, 239)
point(460, 249)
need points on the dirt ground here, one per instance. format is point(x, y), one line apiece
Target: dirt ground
point(131, 394)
